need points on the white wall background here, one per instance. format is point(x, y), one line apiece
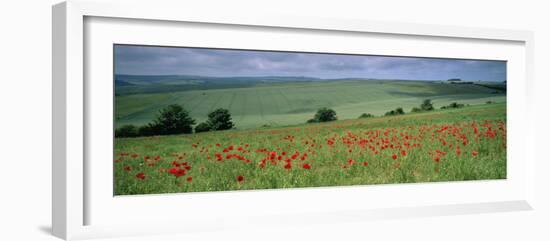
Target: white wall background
point(25, 119)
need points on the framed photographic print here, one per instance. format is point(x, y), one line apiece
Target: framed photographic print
point(265, 118)
point(234, 119)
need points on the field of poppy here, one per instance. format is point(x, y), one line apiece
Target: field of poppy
point(443, 145)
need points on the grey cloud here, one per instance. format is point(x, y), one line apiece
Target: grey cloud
point(221, 62)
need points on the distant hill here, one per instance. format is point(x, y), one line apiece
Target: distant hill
point(147, 84)
point(140, 84)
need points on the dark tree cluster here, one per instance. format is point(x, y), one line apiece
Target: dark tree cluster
point(323, 115)
point(218, 120)
point(174, 119)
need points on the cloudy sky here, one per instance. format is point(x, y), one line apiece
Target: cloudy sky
point(148, 60)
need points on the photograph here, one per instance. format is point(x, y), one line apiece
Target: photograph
point(197, 119)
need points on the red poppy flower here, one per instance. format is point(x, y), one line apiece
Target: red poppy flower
point(365, 163)
point(190, 179)
point(140, 175)
point(127, 168)
point(394, 156)
point(240, 178)
point(173, 170)
point(403, 153)
point(177, 172)
point(288, 166)
point(306, 166)
point(474, 153)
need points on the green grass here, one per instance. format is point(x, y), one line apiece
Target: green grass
point(482, 155)
point(291, 103)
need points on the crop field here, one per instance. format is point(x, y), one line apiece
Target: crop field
point(290, 103)
point(443, 145)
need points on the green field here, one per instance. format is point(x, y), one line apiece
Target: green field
point(443, 145)
point(290, 103)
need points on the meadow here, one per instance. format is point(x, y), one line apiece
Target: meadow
point(259, 103)
point(462, 144)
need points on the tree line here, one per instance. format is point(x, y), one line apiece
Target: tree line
point(174, 119)
point(326, 114)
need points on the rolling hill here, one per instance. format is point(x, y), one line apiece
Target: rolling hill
point(280, 101)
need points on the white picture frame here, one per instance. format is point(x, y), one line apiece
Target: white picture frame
point(74, 113)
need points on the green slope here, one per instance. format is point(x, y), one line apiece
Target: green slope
point(289, 103)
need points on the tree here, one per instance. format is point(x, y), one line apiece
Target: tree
point(220, 119)
point(325, 114)
point(427, 105)
point(126, 131)
point(202, 127)
point(173, 119)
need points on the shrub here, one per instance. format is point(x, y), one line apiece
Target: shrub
point(456, 105)
point(416, 109)
point(312, 121)
point(427, 105)
point(453, 105)
point(173, 119)
point(325, 114)
point(489, 102)
point(366, 115)
point(397, 111)
point(220, 119)
point(126, 131)
point(202, 127)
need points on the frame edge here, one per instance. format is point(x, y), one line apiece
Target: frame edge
point(67, 17)
point(59, 115)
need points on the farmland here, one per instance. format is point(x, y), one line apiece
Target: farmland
point(442, 145)
point(255, 103)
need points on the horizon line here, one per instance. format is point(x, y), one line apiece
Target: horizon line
point(305, 76)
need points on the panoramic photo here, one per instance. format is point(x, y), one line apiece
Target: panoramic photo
point(204, 119)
